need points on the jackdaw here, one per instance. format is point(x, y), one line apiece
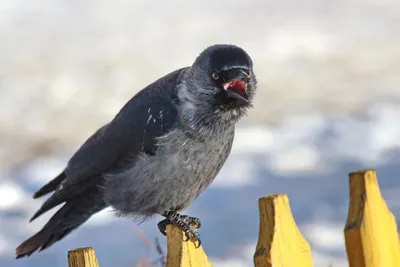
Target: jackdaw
point(163, 148)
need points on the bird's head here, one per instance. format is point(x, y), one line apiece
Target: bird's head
point(223, 77)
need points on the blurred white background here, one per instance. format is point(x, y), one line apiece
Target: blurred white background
point(328, 103)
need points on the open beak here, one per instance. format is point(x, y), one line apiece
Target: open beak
point(238, 96)
point(235, 84)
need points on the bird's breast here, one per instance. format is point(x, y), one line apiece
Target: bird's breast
point(196, 160)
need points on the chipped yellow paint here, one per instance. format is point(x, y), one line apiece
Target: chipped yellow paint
point(280, 243)
point(82, 257)
point(371, 231)
point(181, 253)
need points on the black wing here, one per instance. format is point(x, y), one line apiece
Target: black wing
point(149, 114)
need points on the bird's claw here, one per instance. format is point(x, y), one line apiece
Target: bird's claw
point(187, 236)
point(195, 222)
point(195, 237)
point(162, 226)
point(188, 225)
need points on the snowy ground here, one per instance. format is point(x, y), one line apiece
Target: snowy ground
point(328, 104)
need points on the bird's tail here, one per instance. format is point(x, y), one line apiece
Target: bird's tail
point(70, 216)
point(50, 186)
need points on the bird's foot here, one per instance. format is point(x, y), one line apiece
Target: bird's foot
point(189, 225)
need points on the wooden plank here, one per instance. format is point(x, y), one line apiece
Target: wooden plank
point(82, 257)
point(280, 243)
point(371, 231)
point(183, 254)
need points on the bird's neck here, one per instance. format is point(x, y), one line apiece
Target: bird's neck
point(202, 118)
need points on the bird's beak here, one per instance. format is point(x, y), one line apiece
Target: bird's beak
point(243, 74)
point(236, 74)
point(235, 84)
point(238, 96)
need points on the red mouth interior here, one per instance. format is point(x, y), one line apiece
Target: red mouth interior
point(237, 85)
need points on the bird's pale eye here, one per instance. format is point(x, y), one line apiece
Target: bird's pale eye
point(215, 76)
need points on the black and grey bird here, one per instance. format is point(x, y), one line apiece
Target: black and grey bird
point(163, 148)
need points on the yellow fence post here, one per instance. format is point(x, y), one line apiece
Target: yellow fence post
point(183, 253)
point(280, 243)
point(82, 257)
point(371, 231)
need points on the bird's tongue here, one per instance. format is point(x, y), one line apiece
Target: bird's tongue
point(236, 89)
point(236, 85)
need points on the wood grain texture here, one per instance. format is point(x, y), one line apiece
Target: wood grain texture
point(183, 254)
point(371, 231)
point(82, 257)
point(280, 243)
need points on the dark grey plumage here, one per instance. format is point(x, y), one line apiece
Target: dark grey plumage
point(163, 148)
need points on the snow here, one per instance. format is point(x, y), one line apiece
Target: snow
point(237, 172)
point(384, 132)
point(11, 195)
point(253, 140)
point(103, 217)
point(4, 245)
point(324, 235)
point(41, 169)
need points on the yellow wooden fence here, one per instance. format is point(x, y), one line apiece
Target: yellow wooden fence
point(370, 234)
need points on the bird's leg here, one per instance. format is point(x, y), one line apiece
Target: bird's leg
point(188, 224)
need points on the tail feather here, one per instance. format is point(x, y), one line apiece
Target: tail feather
point(50, 186)
point(68, 192)
point(69, 217)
